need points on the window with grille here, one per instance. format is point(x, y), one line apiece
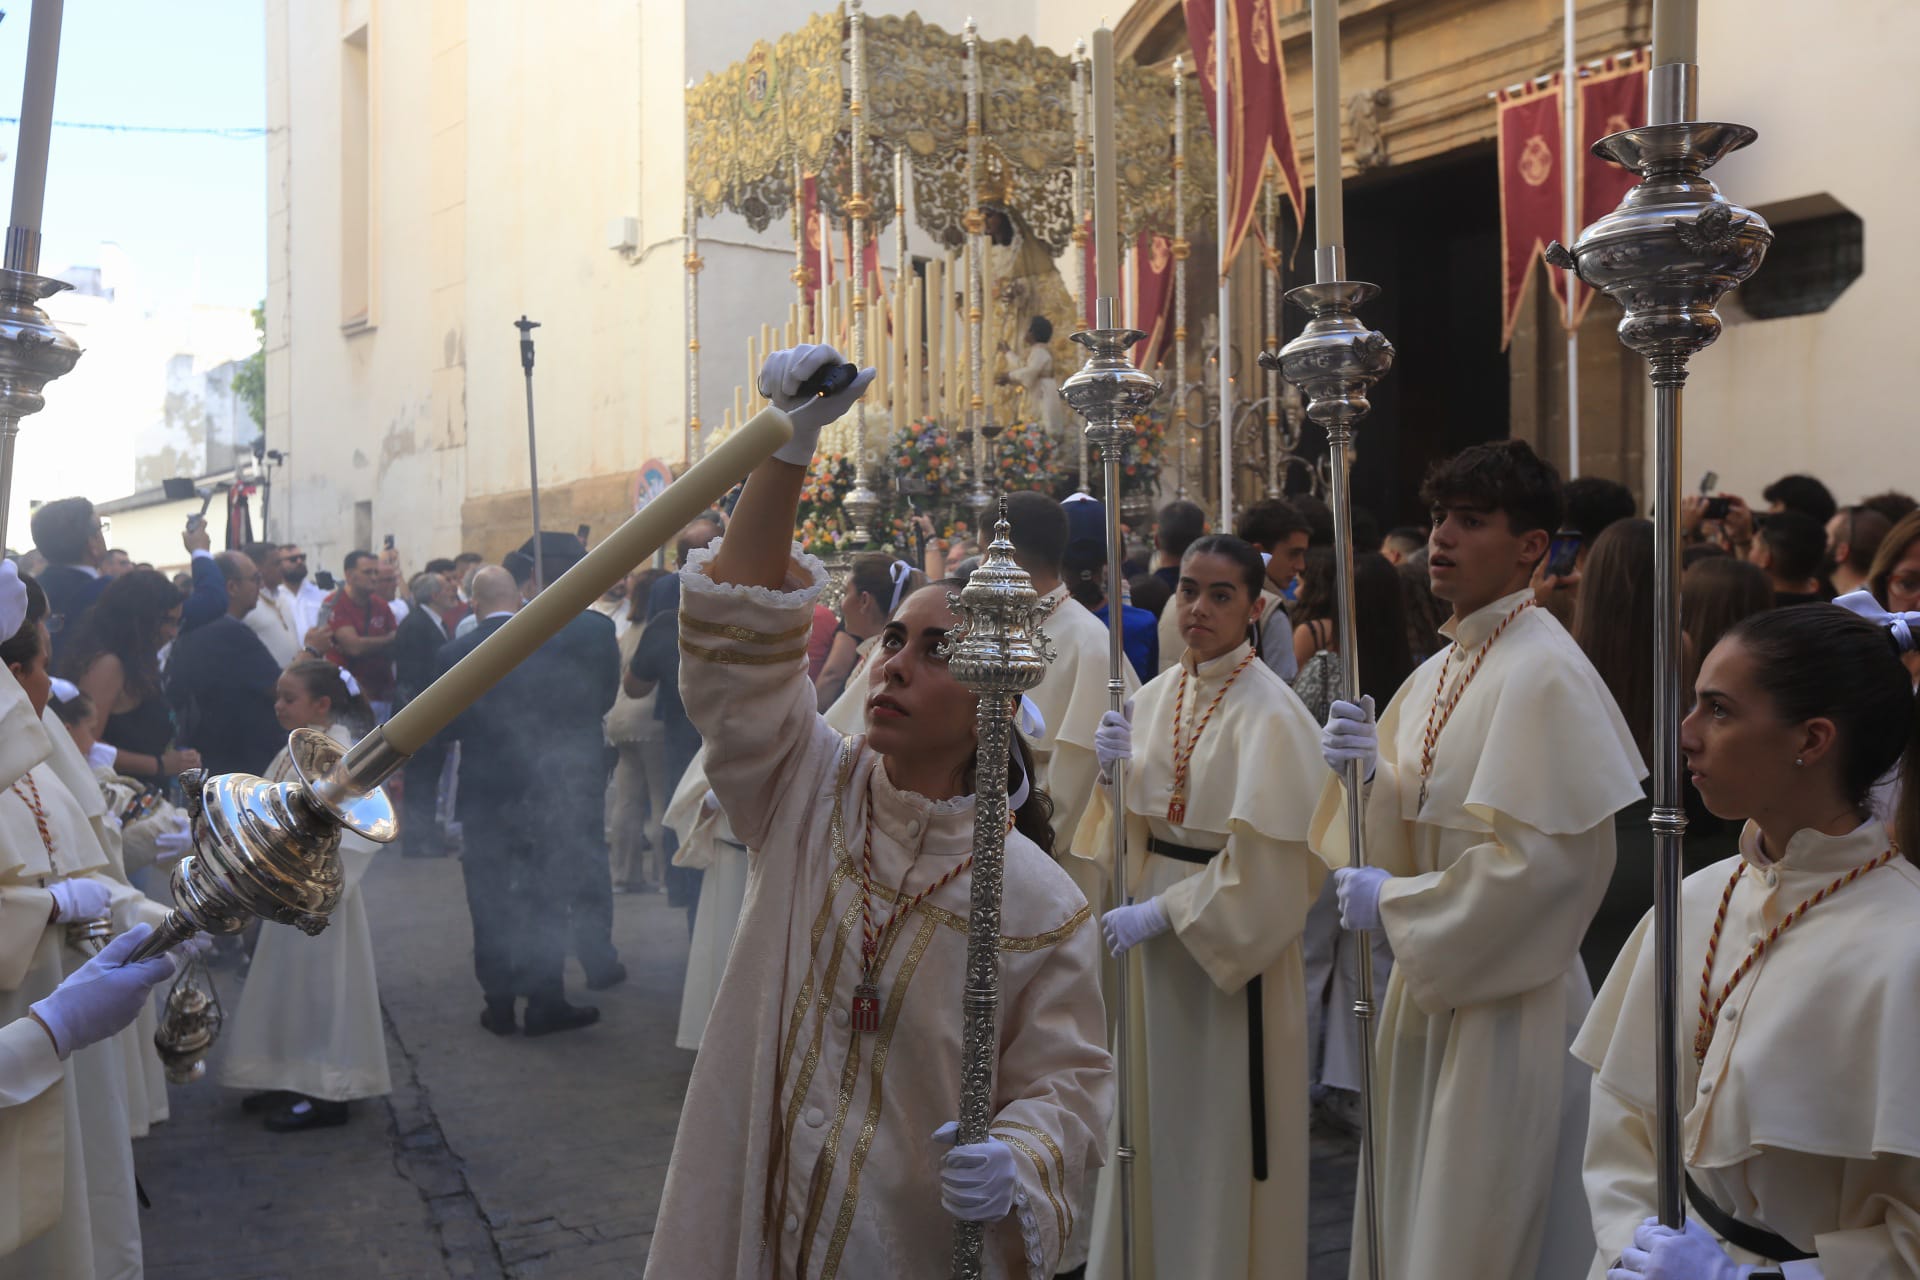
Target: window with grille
point(1810, 265)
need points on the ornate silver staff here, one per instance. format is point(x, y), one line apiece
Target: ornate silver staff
point(1667, 255)
point(271, 849)
point(999, 652)
point(1109, 393)
point(1335, 362)
point(32, 351)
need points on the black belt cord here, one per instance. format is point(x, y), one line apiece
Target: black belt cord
point(1742, 1235)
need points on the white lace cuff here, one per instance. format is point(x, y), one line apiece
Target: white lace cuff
point(806, 577)
point(1031, 1242)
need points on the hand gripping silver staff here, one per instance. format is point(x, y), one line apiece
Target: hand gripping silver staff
point(272, 849)
point(999, 652)
point(1110, 393)
point(1667, 255)
point(1335, 361)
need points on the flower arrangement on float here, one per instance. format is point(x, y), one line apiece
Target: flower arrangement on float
point(927, 458)
point(1023, 458)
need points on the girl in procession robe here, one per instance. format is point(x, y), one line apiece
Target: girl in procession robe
point(1496, 772)
point(1225, 775)
point(307, 1037)
point(814, 1139)
point(875, 588)
point(1796, 1075)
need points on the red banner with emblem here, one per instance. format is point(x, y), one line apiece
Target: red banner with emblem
point(1532, 193)
point(1260, 130)
point(1153, 266)
point(813, 228)
point(1613, 98)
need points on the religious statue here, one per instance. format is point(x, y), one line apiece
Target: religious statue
point(1024, 283)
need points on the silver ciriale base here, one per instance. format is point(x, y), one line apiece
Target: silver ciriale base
point(33, 352)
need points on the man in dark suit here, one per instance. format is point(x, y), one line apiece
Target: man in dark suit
point(67, 533)
point(422, 634)
point(576, 677)
point(221, 681)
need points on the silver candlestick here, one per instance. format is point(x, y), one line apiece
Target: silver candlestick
point(1335, 361)
point(33, 351)
point(1667, 255)
point(999, 652)
point(1109, 393)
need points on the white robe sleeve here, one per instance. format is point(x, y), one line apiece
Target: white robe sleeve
point(1504, 918)
point(1055, 1083)
point(24, 913)
point(23, 739)
point(1619, 1172)
point(743, 677)
point(29, 1064)
point(1238, 915)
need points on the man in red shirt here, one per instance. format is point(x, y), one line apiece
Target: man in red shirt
point(363, 632)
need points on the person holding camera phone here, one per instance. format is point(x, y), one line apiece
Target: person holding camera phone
point(1496, 771)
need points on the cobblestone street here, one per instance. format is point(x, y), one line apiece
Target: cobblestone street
point(493, 1158)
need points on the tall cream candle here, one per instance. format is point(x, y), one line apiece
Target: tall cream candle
point(1330, 210)
point(633, 542)
point(916, 349)
point(1676, 31)
point(754, 362)
point(739, 404)
point(1106, 174)
point(936, 330)
point(36, 114)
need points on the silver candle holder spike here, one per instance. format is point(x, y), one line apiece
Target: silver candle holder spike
point(1335, 362)
point(1110, 393)
point(33, 350)
point(1667, 255)
point(999, 651)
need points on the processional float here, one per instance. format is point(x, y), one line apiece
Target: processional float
point(1667, 255)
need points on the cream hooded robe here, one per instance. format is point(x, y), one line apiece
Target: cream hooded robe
point(804, 1148)
point(1803, 1118)
point(1479, 1108)
point(1256, 770)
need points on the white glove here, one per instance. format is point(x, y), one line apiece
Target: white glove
point(1662, 1253)
point(780, 379)
point(1129, 926)
point(1358, 889)
point(977, 1181)
point(13, 600)
point(173, 841)
point(80, 899)
point(1350, 735)
point(102, 756)
point(103, 995)
point(1113, 740)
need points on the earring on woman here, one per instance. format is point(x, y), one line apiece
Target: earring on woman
point(1799, 762)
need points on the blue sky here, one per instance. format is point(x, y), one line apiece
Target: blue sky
point(190, 211)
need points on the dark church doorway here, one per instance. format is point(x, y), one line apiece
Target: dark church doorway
point(1429, 235)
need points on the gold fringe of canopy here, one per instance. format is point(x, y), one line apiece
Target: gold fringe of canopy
point(787, 100)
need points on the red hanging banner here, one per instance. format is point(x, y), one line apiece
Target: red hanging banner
point(1260, 128)
point(1154, 268)
point(1613, 98)
point(1532, 193)
point(812, 227)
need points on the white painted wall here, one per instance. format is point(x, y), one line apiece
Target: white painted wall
point(1832, 92)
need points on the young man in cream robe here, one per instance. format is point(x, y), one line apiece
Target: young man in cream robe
point(1220, 900)
point(807, 1147)
point(1488, 854)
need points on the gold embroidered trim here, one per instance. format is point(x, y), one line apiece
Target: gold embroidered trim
point(734, 658)
point(821, 1183)
point(1060, 1219)
point(774, 1203)
point(958, 923)
point(1046, 1140)
point(745, 634)
point(881, 1050)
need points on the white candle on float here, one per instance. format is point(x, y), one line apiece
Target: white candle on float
point(1106, 177)
point(1676, 31)
point(1330, 212)
point(36, 114)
